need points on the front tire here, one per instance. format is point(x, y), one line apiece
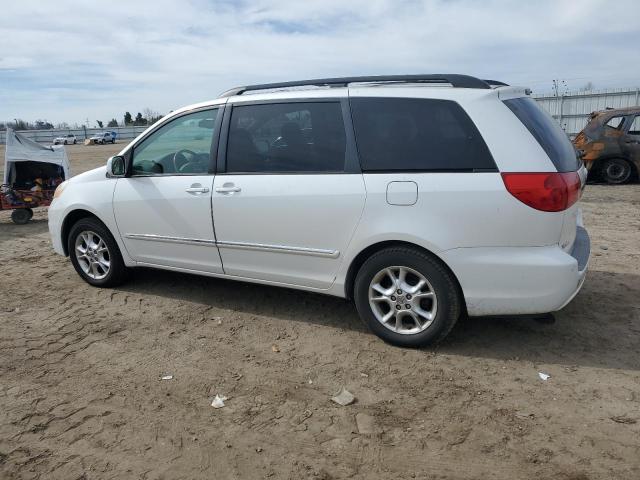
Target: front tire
point(407, 297)
point(616, 171)
point(21, 216)
point(95, 254)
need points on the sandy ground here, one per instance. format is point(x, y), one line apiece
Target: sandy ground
point(81, 395)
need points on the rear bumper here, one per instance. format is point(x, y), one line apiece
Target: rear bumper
point(520, 280)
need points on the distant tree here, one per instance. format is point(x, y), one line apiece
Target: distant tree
point(19, 124)
point(151, 116)
point(3, 126)
point(587, 87)
point(127, 119)
point(100, 124)
point(62, 125)
point(140, 120)
point(112, 123)
point(43, 125)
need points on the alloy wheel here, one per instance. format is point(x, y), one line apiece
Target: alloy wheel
point(403, 300)
point(93, 255)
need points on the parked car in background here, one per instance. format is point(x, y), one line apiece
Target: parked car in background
point(420, 197)
point(65, 140)
point(103, 137)
point(610, 145)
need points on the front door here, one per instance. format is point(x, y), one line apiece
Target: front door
point(163, 209)
point(289, 200)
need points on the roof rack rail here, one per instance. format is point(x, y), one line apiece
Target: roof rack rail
point(457, 81)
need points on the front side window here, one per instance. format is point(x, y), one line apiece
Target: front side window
point(407, 134)
point(180, 147)
point(286, 137)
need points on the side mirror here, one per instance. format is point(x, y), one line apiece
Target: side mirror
point(115, 167)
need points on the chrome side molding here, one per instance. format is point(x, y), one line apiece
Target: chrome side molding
point(314, 252)
point(161, 238)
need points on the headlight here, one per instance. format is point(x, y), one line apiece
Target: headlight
point(59, 189)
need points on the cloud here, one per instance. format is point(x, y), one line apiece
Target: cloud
point(68, 61)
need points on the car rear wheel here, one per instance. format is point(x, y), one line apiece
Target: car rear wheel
point(95, 254)
point(616, 171)
point(407, 297)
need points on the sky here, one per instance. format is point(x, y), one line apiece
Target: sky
point(69, 61)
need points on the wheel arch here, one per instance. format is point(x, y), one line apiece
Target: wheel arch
point(70, 220)
point(361, 257)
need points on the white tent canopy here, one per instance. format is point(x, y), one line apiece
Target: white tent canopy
point(21, 149)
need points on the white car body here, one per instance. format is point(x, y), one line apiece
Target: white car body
point(103, 137)
point(307, 231)
point(65, 140)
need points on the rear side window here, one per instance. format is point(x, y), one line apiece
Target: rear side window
point(547, 132)
point(287, 137)
point(634, 129)
point(407, 134)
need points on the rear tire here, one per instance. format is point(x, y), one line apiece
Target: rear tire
point(616, 171)
point(95, 254)
point(21, 216)
point(407, 297)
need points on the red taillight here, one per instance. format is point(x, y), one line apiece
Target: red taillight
point(549, 192)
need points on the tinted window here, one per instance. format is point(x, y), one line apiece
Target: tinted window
point(182, 146)
point(417, 134)
point(287, 137)
point(547, 132)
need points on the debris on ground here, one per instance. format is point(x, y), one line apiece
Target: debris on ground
point(366, 424)
point(544, 376)
point(275, 348)
point(344, 397)
point(525, 415)
point(364, 375)
point(166, 377)
point(623, 419)
point(218, 402)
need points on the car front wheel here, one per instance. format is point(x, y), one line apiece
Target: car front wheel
point(95, 254)
point(407, 297)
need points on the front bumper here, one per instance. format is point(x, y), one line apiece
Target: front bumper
point(520, 280)
point(55, 228)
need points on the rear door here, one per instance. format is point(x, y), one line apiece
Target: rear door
point(289, 193)
point(163, 209)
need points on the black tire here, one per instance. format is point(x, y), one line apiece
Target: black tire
point(615, 171)
point(65, 142)
point(117, 272)
point(75, 141)
point(443, 284)
point(21, 216)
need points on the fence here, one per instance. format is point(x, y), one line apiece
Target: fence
point(47, 136)
point(572, 109)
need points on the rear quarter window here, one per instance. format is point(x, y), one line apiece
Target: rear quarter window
point(409, 134)
point(547, 132)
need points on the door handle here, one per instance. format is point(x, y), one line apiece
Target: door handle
point(228, 189)
point(197, 190)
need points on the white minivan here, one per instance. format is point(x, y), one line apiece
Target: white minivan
point(420, 197)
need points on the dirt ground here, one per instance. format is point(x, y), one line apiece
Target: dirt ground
point(81, 395)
